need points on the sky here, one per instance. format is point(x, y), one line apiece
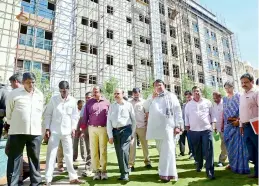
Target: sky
point(241, 17)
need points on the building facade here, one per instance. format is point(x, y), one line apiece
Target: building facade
point(87, 42)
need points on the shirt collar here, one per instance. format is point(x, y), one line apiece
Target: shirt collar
point(23, 89)
point(251, 90)
point(139, 99)
point(123, 102)
point(101, 99)
point(67, 99)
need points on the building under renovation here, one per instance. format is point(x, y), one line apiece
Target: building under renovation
point(86, 42)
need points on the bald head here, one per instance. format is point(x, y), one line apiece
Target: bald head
point(118, 95)
point(217, 97)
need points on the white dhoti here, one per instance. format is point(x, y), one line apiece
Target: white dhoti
point(53, 143)
point(167, 164)
point(161, 128)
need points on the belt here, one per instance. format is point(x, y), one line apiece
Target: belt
point(97, 126)
point(246, 124)
point(120, 128)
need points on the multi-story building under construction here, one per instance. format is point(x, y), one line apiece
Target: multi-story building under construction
point(89, 41)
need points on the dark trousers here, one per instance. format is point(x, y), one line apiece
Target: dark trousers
point(203, 147)
point(182, 140)
point(87, 146)
point(251, 140)
point(122, 138)
point(1, 127)
point(16, 146)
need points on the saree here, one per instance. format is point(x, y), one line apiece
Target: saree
point(237, 151)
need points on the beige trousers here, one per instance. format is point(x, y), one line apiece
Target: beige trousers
point(98, 147)
point(223, 155)
point(141, 132)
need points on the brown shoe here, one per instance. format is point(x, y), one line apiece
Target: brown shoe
point(76, 181)
point(228, 167)
point(252, 176)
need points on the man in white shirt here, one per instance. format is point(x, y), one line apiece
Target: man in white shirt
point(188, 97)
point(248, 109)
point(218, 113)
point(141, 130)
point(198, 119)
point(60, 119)
point(164, 122)
point(121, 126)
point(24, 109)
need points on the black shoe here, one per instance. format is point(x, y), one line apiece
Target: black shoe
point(148, 166)
point(181, 154)
point(198, 170)
point(165, 181)
point(211, 177)
point(132, 169)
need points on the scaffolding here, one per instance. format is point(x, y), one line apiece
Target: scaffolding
point(94, 40)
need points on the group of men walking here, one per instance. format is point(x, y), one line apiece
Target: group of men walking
point(158, 118)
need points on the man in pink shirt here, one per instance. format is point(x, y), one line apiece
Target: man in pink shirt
point(248, 109)
point(95, 118)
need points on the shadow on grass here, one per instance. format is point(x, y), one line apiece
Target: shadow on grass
point(186, 166)
point(223, 177)
point(141, 178)
point(112, 164)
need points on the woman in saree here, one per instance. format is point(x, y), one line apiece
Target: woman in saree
point(237, 151)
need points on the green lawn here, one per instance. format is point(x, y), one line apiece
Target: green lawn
point(186, 171)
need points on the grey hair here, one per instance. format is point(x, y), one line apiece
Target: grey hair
point(97, 87)
point(229, 83)
point(16, 77)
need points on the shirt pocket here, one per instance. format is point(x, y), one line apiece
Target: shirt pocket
point(39, 106)
point(69, 110)
point(139, 108)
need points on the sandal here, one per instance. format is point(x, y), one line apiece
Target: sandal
point(76, 181)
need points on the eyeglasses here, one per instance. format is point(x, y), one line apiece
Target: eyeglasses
point(116, 93)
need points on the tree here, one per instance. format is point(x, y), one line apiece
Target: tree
point(109, 87)
point(187, 83)
point(207, 92)
point(149, 89)
point(222, 91)
point(43, 84)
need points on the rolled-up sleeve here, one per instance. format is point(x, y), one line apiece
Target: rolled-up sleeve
point(85, 118)
point(178, 117)
point(212, 114)
point(133, 119)
point(9, 108)
point(186, 110)
point(47, 115)
point(74, 117)
point(109, 123)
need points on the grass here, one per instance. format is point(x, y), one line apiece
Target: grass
point(186, 172)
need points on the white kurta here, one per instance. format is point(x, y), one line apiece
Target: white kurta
point(60, 117)
point(161, 128)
